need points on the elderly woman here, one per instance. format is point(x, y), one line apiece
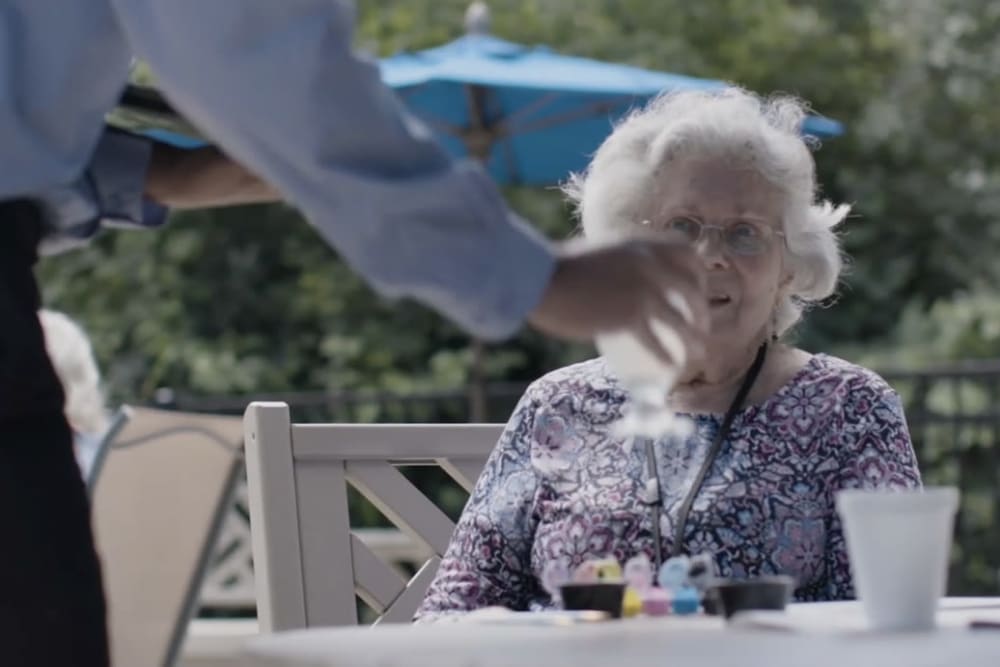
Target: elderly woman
point(777, 431)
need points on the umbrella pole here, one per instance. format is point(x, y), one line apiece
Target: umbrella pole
point(477, 386)
point(477, 375)
point(478, 142)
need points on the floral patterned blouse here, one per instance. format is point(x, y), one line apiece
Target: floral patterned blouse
point(560, 486)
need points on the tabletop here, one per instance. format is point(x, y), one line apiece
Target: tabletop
point(831, 633)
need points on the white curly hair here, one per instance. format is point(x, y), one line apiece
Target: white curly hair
point(73, 360)
point(763, 134)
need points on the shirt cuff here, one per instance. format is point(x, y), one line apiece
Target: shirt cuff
point(118, 173)
point(110, 192)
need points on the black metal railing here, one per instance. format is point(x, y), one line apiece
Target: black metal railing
point(954, 417)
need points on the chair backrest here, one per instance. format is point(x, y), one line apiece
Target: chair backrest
point(309, 564)
point(158, 504)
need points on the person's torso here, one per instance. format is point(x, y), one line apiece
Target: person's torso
point(763, 508)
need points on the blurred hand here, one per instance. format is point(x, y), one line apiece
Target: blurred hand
point(203, 178)
point(624, 287)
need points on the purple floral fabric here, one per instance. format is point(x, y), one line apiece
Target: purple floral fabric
point(560, 487)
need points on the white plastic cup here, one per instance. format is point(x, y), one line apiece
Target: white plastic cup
point(898, 543)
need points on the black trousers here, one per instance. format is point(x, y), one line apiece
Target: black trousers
point(52, 609)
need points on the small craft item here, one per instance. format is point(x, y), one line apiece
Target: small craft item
point(674, 573)
point(638, 576)
point(631, 602)
point(585, 573)
point(598, 569)
point(608, 569)
point(674, 578)
point(685, 601)
point(655, 602)
point(639, 572)
point(701, 571)
point(701, 575)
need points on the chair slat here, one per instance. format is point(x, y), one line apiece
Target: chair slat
point(327, 558)
point(403, 609)
point(385, 442)
point(375, 582)
point(404, 504)
point(465, 471)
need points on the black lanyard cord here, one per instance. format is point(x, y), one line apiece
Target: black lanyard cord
point(653, 495)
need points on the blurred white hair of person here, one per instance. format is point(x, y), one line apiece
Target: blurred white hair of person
point(72, 358)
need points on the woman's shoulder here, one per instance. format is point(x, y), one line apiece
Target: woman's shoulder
point(868, 424)
point(580, 379)
point(584, 396)
point(853, 377)
point(835, 385)
point(564, 407)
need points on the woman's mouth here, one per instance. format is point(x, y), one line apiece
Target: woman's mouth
point(719, 300)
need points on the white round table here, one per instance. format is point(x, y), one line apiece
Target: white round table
point(814, 634)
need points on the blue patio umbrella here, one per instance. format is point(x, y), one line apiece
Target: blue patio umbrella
point(530, 114)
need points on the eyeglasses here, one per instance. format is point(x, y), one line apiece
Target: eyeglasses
point(741, 237)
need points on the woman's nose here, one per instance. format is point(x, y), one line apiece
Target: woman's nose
point(712, 248)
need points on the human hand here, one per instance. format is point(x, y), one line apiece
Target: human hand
point(625, 287)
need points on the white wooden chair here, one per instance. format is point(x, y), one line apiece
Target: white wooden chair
point(309, 564)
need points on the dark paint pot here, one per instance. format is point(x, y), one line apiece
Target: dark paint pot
point(600, 596)
point(768, 593)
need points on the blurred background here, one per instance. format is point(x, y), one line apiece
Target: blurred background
point(227, 306)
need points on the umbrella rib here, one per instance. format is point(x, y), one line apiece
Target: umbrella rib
point(591, 109)
point(527, 111)
point(442, 126)
point(447, 128)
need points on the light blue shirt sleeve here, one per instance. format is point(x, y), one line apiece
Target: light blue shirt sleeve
point(276, 84)
point(110, 192)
